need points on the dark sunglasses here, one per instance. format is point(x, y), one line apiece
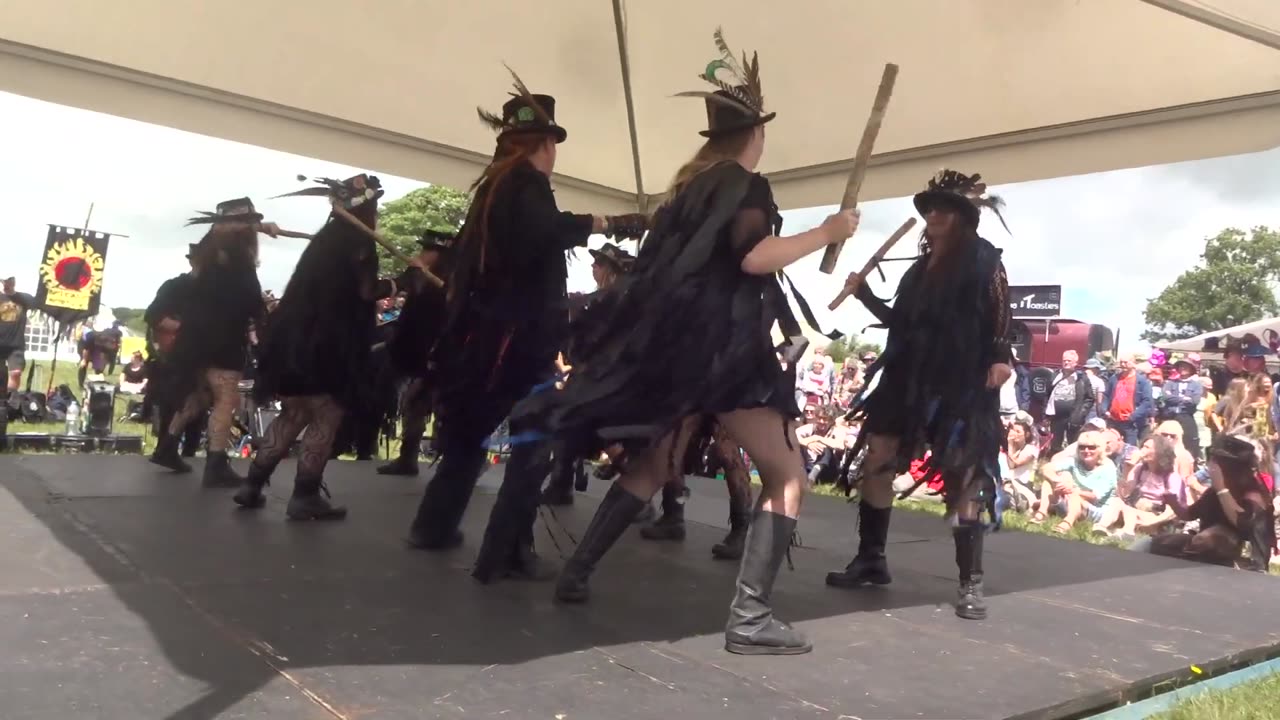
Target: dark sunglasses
point(1087, 447)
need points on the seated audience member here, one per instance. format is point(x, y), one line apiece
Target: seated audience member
point(1080, 486)
point(823, 441)
point(133, 377)
point(1018, 460)
point(1172, 430)
point(1236, 511)
point(1139, 499)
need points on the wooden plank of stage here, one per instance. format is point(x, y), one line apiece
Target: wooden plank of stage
point(129, 592)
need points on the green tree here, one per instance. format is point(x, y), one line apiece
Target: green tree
point(1230, 285)
point(850, 345)
point(404, 220)
point(132, 318)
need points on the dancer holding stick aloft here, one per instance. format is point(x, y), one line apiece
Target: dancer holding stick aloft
point(945, 358)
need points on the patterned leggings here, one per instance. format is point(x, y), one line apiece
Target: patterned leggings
point(736, 476)
point(218, 389)
point(320, 415)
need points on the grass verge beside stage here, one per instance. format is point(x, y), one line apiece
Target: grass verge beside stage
point(1254, 700)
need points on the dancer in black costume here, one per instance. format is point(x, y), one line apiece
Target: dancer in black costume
point(945, 358)
point(164, 317)
point(211, 348)
point(610, 263)
point(314, 353)
point(506, 324)
point(418, 330)
point(700, 303)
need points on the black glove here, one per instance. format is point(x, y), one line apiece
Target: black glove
point(626, 227)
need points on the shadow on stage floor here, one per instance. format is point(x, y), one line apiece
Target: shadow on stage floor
point(128, 592)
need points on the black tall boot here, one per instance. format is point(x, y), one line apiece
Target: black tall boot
point(250, 495)
point(559, 490)
point(306, 502)
point(507, 550)
point(445, 500)
point(869, 566)
point(611, 520)
point(218, 472)
point(752, 628)
point(671, 525)
point(406, 463)
point(970, 603)
point(166, 454)
point(733, 544)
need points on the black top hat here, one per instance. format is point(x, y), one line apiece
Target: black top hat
point(240, 210)
point(1233, 449)
point(966, 194)
point(351, 193)
point(611, 254)
point(434, 239)
point(735, 105)
point(525, 114)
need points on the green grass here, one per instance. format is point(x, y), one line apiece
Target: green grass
point(1254, 700)
point(1081, 531)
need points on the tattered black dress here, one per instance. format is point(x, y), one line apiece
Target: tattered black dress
point(946, 329)
point(318, 340)
point(686, 332)
point(216, 310)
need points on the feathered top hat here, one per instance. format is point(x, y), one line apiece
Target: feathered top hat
point(611, 254)
point(434, 239)
point(964, 193)
point(351, 193)
point(524, 113)
point(735, 105)
point(240, 210)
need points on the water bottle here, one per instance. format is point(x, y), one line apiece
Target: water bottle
point(73, 418)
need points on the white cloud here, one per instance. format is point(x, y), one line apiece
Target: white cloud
point(1111, 239)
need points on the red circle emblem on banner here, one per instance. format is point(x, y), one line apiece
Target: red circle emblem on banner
point(73, 273)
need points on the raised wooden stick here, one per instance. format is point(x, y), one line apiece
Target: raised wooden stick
point(859, 172)
point(875, 259)
point(386, 244)
point(293, 234)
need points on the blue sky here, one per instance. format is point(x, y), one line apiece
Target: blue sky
point(1112, 240)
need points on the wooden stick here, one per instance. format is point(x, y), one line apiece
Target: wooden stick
point(875, 260)
point(386, 244)
point(294, 234)
point(859, 172)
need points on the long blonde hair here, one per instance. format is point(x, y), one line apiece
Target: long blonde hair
point(717, 149)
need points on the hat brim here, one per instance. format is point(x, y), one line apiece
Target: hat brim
point(745, 124)
point(555, 131)
point(929, 199)
point(615, 262)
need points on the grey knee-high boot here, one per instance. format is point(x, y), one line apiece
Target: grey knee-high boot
point(611, 520)
point(752, 628)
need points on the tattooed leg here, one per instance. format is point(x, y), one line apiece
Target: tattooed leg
point(223, 386)
point(870, 566)
point(738, 482)
point(307, 503)
point(293, 417)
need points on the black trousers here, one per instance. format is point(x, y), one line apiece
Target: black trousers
point(462, 430)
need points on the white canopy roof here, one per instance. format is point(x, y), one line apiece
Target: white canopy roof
point(1014, 89)
point(1264, 330)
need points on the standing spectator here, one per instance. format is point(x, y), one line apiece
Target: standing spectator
point(13, 340)
point(1203, 414)
point(1128, 402)
point(1255, 359)
point(1070, 401)
point(1180, 400)
point(1094, 369)
point(1232, 368)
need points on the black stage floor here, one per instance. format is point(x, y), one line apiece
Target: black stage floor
point(127, 593)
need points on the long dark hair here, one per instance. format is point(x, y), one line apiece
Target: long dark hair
point(512, 151)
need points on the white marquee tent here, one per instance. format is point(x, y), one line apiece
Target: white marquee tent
point(1017, 89)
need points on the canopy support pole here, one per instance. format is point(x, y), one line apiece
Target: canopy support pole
point(642, 199)
point(1218, 21)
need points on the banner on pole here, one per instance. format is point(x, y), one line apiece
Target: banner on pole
point(71, 273)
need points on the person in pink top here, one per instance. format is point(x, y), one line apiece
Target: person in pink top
point(1139, 501)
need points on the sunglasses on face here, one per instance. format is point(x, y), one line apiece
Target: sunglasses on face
point(1087, 447)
